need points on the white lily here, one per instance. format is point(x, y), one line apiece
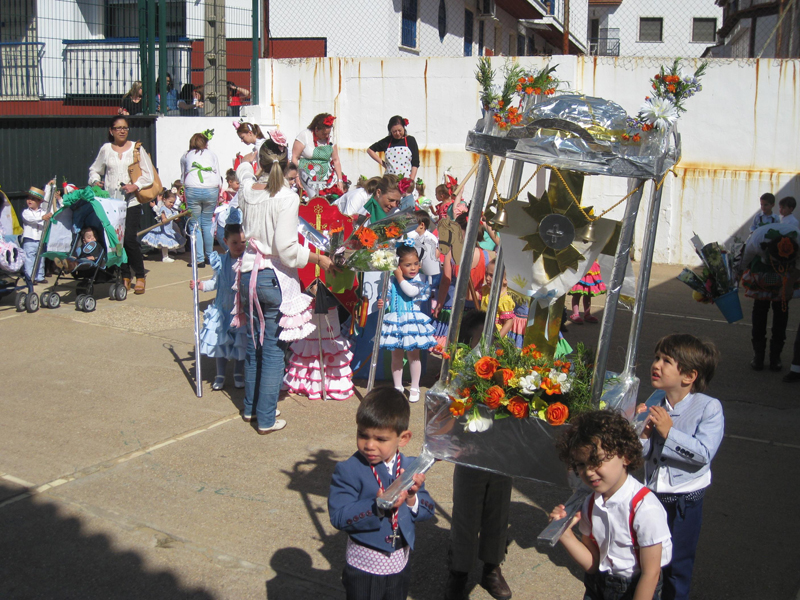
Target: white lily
point(529, 384)
point(659, 112)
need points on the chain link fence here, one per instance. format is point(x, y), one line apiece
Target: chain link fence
point(97, 57)
point(91, 57)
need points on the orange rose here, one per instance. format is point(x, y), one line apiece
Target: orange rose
point(556, 414)
point(499, 352)
point(493, 396)
point(503, 376)
point(785, 247)
point(518, 407)
point(486, 366)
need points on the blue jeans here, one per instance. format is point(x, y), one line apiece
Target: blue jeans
point(684, 519)
point(202, 202)
point(264, 363)
point(30, 247)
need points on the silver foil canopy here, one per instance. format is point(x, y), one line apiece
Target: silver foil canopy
point(583, 133)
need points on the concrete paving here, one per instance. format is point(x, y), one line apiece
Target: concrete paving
point(116, 481)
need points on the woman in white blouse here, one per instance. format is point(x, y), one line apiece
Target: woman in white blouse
point(110, 169)
point(270, 287)
point(317, 157)
point(202, 181)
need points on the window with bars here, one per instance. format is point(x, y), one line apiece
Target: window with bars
point(704, 30)
point(468, 29)
point(651, 29)
point(409, 27)
point(122, 19)
point(521, 45)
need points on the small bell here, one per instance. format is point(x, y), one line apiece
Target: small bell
point(499, 220)
point(587, 234)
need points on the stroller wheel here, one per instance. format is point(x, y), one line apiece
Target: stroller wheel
point(112, 292)
point(32, 303)
point(20, 301)
point(121, 293)
point(89, 304)
point(54, 300)
point(44, 299)
point(79, 302)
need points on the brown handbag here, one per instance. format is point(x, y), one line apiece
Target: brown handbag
point(151, 192)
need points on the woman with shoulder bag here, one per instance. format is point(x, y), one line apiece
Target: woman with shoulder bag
point(111, 170)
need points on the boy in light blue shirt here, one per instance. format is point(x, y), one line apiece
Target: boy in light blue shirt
point(680, 438)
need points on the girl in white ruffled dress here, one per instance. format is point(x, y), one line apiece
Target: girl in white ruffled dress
point(304, 376)
point(217, 338)
point(405, 327)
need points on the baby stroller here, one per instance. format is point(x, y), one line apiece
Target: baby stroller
point(89, 207)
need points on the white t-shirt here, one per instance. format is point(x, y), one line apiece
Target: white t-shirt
point(306, 137)
point(611, 528)
point(352, 202)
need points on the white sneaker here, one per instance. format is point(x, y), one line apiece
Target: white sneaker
point(413, 395)
point(279, 424)
point(167, 259)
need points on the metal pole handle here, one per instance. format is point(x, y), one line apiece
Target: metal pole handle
point(191, 230)
point(376, 341)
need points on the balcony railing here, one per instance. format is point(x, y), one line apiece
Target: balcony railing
point(21, 70)
point(109, 67)
point(604, 46)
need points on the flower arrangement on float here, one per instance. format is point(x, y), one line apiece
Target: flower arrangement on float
point(505, 381)
point(508, 102)
point(671, 88)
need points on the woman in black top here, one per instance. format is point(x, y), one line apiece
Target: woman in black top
point(132, 101)
point(401, 153)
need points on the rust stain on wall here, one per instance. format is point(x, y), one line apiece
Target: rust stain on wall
point(594, 74)
point(428, 156)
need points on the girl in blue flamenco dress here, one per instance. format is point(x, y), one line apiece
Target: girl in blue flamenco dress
point(217, 338)
point(405, 327)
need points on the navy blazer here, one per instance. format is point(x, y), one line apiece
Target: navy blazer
point(352, 505)
point(697, 428)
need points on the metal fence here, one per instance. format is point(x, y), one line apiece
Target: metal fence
point(82, 57)
point(91, 57)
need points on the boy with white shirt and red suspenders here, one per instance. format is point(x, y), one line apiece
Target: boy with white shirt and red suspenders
point(680, 438)
point(625, 538)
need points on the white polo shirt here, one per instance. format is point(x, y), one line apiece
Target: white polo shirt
point(611, 528)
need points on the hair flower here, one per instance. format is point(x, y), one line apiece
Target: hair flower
point(208, 134)
point(405, 122)
point(328, 122)
point(405, 185)
point(277, 137)
point(408, 242)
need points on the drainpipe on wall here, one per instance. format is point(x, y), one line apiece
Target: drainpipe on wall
point(565, 46)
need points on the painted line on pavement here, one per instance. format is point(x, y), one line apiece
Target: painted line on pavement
point(760, 441)
point(692, 318)
point(10, 316)
point(34, 490)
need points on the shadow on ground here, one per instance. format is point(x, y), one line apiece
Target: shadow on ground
point(47, 554)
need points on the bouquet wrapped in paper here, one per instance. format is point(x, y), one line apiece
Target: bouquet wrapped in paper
point(718, 275)
point(717, 283)
point(372, 247)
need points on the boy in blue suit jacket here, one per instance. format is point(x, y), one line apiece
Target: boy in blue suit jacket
point(680, 438)
point(379, 541)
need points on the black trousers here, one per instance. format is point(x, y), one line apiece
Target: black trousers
point(360, 585)
point(780, 319)
point(133, 221)
point(481, 502)
point(796, 353)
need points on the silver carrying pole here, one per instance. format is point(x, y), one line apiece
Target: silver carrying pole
point(499, 268)
point(376, 341)
point(646, 266)
point(612, 299)
point(191, 230)
point(465, 264)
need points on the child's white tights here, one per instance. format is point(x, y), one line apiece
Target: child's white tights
point(414, 366)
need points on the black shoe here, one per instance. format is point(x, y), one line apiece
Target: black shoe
point(775, 364)
point(201, 265)
point(757, 364)
point(456, 586)
point(791, 377)
point(494, 583)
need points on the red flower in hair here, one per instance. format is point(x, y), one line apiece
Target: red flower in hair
point(328, 122)
point(405, 122)
point(405, 185)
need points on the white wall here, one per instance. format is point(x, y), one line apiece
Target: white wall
point(172, 141)
point(678, 17)
point(739, 134)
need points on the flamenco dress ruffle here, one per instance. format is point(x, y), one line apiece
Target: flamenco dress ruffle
point(218, 339)
point(590, 284)
point(303, 375)
point(407, 330)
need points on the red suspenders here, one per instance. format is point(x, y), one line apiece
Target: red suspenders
point(635, 502)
